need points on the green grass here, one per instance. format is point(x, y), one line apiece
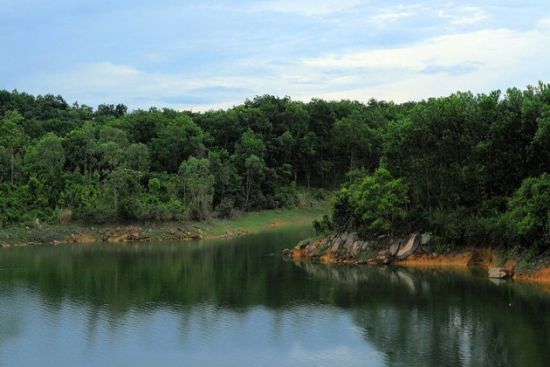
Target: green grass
point(252, 222)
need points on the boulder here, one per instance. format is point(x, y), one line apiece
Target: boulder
point(500, 273)
point(311, 247)
point(393, 249)
point(425, 239)
point(335, 246)
point(408, 248)
point(303, 244)
point(356, 248)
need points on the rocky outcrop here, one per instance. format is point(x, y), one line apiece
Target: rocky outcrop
point(501, 273)
point(406, 249)
point(348, 248)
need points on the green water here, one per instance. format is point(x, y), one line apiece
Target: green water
point(238, 303)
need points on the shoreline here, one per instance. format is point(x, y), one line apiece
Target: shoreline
point(346, 249)
point(247, 223)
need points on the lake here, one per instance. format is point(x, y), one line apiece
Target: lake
point(237, 302)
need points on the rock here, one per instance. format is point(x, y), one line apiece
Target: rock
point(356, 248)
point(335, 246)
point(303, 244)
point(425, 239)
point(394, 248)
point(383, 253)
point(408, 248)
point(500, 273)
point(311, 247)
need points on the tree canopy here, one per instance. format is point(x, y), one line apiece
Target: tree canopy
point(469, 168)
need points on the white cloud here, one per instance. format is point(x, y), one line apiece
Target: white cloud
point(487, 47)
point(544, 22)
point(478, 61)
point(394, 14)
point(463, 15)
point(102, 82)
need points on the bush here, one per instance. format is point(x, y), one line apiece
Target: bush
point(323, 226)
point(528, 214)
point(373, 205)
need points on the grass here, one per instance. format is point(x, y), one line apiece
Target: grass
point(252, 222)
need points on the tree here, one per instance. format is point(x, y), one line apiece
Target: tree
point(47, 157)
point(227, 181)
point(376, 203)
point(358, 142)
point(198, 187)
point(136, 157)
point(113, 134)
point(254, 166)
point(81, 147)
point(176, 141)
point(249, 155)
point(123, 191)
point(12, 140)
point(528, 213)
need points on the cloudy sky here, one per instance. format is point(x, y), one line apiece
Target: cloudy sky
point(216, 53)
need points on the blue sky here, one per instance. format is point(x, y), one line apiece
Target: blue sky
point(216, 53)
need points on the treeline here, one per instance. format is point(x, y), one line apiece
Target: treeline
point(468, 168)
point(63, 162)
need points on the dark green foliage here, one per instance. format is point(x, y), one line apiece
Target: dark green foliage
point(528, 214)
point(468, 168)
point(323, 226)
point(373, 205)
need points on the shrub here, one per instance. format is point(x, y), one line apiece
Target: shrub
point(528, 214)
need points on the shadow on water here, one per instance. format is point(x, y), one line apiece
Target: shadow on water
point(411, 317)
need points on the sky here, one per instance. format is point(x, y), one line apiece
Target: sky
point(213, 54)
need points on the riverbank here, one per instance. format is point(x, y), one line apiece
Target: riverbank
point(418, 251)
point(247, 223)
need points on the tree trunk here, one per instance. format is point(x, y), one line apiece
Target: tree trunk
point(12, 162)
point(248, 185)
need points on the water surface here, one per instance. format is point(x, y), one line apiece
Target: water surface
point(238, 303)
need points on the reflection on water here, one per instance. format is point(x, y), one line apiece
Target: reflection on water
point(237, 303)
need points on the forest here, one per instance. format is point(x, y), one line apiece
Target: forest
point(472, 169)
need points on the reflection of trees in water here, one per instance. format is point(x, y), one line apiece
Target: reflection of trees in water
point(10, 314)
point(232, 274)
point(414, 317)
point(423, 318)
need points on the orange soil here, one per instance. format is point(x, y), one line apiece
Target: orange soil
point(540, 277)
point(483, 258)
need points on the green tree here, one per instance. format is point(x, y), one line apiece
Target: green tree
point(12, 140)
point(137, 157)
point(357, 141)
point(377, 202)
point(123, 190)
point(176, 141)
point(249, 155)
point(528, 212)
point(198, 187)
point(47, 157)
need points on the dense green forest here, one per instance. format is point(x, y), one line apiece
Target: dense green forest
point(471, 169)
